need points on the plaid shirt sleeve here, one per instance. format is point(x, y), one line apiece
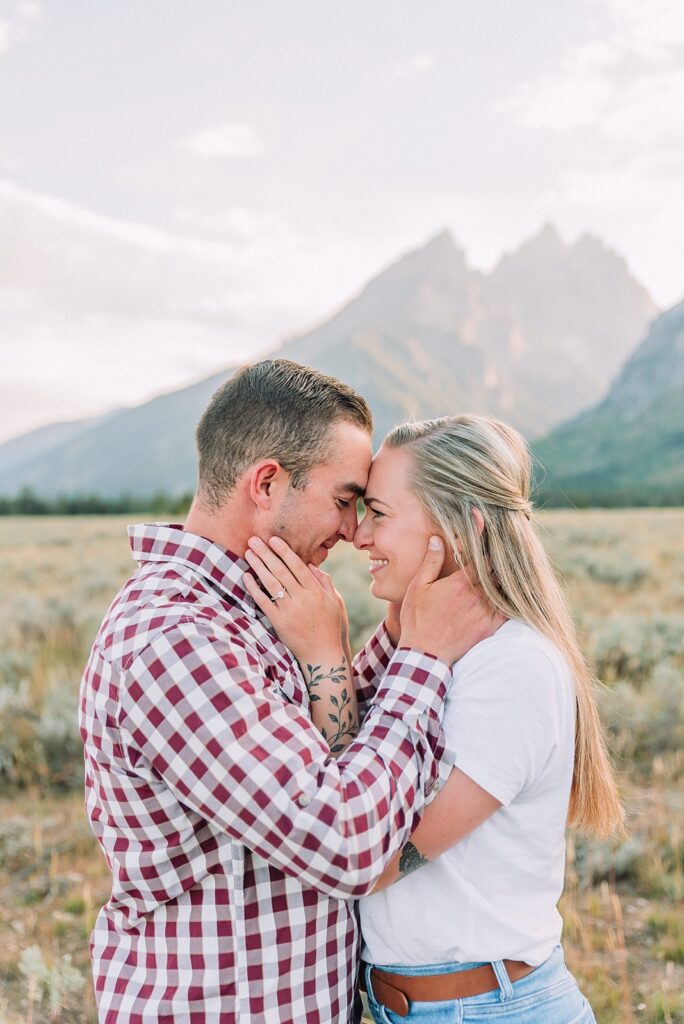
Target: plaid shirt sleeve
point(369, 666)
point(198, 706)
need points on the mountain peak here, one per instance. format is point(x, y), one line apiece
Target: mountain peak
point(588, 246)
point(546, 243)
point(438, 255)
point(548, 233)
point(439, 259)
point(545, 246)
point(442, 242)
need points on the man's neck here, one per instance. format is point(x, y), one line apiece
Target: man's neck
point(228, 527)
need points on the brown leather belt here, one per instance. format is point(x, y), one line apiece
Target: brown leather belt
point(398, 991)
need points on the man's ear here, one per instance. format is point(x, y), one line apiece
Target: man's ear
point(264, 478)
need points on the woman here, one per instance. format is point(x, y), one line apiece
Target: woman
point(473, 935)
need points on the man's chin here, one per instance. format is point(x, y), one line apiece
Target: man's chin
point(309, 557)
point(319, 555)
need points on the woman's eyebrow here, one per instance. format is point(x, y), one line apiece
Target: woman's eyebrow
point(376, 501)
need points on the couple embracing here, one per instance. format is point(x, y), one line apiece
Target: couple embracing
point(258, 791)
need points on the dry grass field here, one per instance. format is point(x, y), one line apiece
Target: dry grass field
point(624, 929)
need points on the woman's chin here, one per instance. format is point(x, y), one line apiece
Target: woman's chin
point(384, 592)
point(377, 590)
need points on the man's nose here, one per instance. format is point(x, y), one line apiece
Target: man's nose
point(349, 523)
point(361, 536)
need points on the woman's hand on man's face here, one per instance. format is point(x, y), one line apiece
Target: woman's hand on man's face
point(306, 612)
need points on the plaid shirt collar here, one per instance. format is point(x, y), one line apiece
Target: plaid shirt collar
point(169, 542)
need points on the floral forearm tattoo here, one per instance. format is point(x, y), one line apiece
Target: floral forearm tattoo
point(411, 859)
point(343, 727)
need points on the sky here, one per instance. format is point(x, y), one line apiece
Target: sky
point(184, 186)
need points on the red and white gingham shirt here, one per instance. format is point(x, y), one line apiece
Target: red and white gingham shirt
point(237, 844)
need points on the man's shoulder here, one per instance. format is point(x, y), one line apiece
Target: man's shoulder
point(160, 600)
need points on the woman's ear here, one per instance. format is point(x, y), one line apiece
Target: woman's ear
point(450, 563)
point(478, 520)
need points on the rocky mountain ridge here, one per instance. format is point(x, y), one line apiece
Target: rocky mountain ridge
point(534, 342)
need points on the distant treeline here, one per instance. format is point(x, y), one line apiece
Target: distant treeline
point(672, 497)
point(28, 503)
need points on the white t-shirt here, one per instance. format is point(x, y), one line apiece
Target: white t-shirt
point(510, 726)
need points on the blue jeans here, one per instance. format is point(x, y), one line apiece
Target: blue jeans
point(549, 995)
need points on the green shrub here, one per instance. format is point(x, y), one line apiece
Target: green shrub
point(617, 568)
point(629, 648)
point(647, 721)
point(56, 984)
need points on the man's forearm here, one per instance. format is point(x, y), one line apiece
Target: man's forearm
point(334, 709)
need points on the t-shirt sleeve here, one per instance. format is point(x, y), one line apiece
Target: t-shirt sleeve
point(506, 712)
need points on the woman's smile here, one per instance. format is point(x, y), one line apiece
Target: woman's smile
point(376, 564)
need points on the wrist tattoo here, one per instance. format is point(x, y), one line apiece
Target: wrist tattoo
point(411, 859)
point(344, 726)
point(314, 676)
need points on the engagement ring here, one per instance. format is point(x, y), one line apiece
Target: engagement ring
point(277, 597)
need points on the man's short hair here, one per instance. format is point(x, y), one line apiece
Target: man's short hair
point(275, 409)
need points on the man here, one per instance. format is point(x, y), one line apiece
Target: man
point(236, 842)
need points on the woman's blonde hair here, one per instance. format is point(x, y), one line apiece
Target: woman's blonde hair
point(467, 467)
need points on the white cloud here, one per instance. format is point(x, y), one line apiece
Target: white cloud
point(111, 311)
point(651, 112)
point(636, 204)
point(649, 26)
point(64, 258)
point(628, 78)
point(237, 141)
point(13, 25)
point(28, 10)
point(419, 63)
point(615, 105)
point(238, 266)
point(571, 95)
point(248, 230)
point(236, 221)
point(14, 198)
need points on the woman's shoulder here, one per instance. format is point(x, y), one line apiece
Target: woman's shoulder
point(515, 650)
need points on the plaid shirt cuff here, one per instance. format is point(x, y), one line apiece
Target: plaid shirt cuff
point(415, 680)
point(370, 665)
point(414, 687)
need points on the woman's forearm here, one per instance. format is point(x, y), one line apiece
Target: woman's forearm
point(460, 807)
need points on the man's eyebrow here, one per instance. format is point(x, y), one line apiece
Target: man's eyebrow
point(375, 501)
point(356, 489)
